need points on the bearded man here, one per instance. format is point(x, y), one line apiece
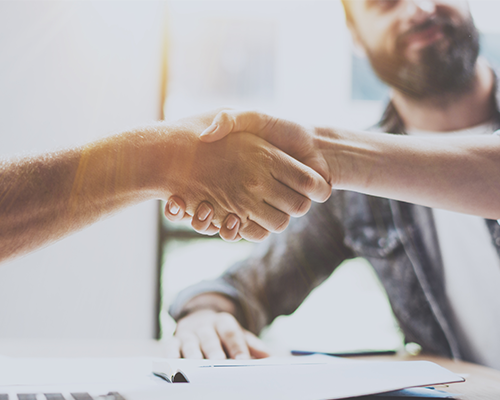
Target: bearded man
point(441, 269)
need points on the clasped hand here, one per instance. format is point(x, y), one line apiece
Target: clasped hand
point(277, 169)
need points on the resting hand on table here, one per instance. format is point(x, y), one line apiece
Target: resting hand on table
point(211, 334)
point(297, 141)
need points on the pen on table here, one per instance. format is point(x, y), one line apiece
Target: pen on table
point(361, 353)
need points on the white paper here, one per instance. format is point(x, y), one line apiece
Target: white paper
point(294, 378)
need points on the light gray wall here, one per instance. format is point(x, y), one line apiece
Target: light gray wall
point(71, 72)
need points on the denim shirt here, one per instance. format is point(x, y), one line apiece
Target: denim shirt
point(398, 239)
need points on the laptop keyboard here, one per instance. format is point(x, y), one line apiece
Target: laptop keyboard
point(60, 396)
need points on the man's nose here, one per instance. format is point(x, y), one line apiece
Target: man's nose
point(419, 10)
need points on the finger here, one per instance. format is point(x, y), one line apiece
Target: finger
point(253, 232)
point(202, 218)
point(232, 337)
point(175, 209)
point(231, 121)
point(301, 178)
point(211, 230)
point(268, 217)
point(190, 346)
point(210, 344)
point(173, 348)
point(229, 228)
point(287, 200)
point(256, 346)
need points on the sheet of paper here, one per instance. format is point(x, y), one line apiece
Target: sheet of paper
point(295, 378)
point(417, 393)
point(301, 378)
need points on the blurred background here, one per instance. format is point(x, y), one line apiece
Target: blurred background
point(74, 71)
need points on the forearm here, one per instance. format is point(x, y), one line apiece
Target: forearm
point(44, 198)
point(456, 173)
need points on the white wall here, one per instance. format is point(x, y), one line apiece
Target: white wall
point(71, 72)
point(311, 56)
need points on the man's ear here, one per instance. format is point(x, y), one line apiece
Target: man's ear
point(358, 46)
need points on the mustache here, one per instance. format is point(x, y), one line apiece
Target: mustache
point(446, 25)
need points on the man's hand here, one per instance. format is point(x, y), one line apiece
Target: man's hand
point(175, 211)
point(297, 141)
point(214, 335)
point(250, 186)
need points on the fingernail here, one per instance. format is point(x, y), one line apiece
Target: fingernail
point(212, 128)
point(231, 222)
point(173, 207)
point(203, 212)
point(241, 356)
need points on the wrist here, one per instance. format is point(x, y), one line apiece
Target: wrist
point(215, 302)
point(163, 152)
point(328, 144)
point(350, 156)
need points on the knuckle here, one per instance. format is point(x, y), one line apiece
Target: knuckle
point(225, 319)
point(224, 115)
point(270, 123)
point(259, 236)
point(229, 335)
point(253, 232)
point(301, 206)
point(307, 182)
point(283, 223)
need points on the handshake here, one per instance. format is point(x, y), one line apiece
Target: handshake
point(240, 173)
point(247, 175)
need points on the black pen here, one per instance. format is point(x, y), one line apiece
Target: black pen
point(360, 353)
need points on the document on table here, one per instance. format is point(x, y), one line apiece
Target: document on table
point(294, 378)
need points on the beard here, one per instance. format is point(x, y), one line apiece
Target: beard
point(445, 67)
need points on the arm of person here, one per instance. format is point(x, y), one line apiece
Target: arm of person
point(459, 173)
point(215, 318)
point(44, 198)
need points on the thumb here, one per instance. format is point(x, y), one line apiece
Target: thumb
point(221, 126)
point(232, 121)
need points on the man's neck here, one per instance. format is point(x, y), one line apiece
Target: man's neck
point(450, 112)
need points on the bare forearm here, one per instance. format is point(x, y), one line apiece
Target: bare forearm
point(44, 198)
point(456, 173)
